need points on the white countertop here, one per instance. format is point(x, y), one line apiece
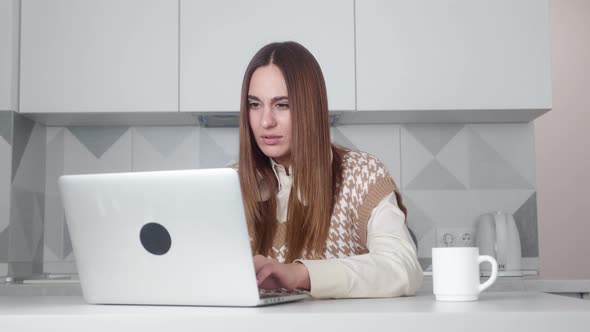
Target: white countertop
point(496, 311)
point(502, 284)
point(527, 283)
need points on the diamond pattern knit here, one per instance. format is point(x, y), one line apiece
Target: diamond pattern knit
point(365, 182)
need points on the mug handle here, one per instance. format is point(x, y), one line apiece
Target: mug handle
point(493, 276)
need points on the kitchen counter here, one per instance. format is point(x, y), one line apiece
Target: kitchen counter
point(576, 287)
point(496, 311)
point(579, 287)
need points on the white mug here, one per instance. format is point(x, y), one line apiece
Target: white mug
point(455, 273)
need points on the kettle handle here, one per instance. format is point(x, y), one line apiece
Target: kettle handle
point(493, 276)
point(501, 237)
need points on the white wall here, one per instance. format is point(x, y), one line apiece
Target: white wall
point(8, 53)
point(562, 139)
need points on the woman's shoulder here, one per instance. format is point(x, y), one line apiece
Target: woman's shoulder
point(362, 170)
point(352, 159)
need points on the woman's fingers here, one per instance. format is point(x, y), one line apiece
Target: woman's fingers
point(259, 262)
point(272, 274)
point(264, 272)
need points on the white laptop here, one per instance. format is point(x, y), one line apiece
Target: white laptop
point(163, 238)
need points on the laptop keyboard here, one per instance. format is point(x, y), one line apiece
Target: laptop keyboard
point(266, 293)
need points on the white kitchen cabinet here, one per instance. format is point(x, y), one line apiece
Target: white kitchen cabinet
point(218, 39)
point(99, 56)
point(453, 55)
point(8, 54)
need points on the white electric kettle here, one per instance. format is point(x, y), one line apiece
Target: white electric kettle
point(497, 236)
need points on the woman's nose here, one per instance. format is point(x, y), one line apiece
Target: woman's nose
point(268, 118)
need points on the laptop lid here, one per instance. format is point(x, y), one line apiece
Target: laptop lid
point(166, 237)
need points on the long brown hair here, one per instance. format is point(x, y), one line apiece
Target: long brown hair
point(316, 171)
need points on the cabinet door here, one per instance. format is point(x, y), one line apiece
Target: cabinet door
point(8, 54)
point(218, 39)
point(452, 55)
point(99, 56)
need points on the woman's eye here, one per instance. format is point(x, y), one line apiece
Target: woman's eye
point(254, 105)
point(283, 106)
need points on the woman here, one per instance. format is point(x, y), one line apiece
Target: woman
point(320, 217)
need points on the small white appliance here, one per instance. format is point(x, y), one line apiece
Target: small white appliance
point(497, 236)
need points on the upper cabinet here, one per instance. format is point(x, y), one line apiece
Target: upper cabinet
point(8, 54)
point(99, 56)
point(387, 61)
point(453, 55)
point(218, 39)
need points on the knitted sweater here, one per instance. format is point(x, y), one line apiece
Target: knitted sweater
point(365, 182)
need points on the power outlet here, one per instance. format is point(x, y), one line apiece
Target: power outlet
point(455, 237)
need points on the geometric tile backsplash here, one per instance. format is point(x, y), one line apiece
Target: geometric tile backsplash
point(449, 174)
point(5, 187)
point(453, 173)
point(22, 197)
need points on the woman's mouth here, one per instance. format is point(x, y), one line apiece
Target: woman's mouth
point(271, 139)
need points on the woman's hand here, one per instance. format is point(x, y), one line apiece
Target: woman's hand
point(271, 274)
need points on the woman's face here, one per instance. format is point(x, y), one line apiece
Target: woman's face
point(269, 114)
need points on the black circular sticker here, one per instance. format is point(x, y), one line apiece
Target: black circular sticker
point(155, 238)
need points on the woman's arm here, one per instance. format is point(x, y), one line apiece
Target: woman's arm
point(390, 268)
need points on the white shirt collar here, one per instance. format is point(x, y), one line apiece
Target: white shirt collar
point(280, 172)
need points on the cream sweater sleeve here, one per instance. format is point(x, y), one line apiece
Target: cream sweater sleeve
point(390, 268)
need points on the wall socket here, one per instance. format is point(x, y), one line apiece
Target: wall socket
point(455, 237)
